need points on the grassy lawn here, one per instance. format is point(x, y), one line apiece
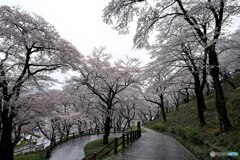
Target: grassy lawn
point(30, 156)
point(183, 125)
point(95, 146)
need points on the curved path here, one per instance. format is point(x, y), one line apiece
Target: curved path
point(74, 149)
point(151, 146)
point(156, 146)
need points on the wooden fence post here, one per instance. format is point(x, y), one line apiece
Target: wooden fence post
point(115, 145)
point(131, 137)
point(138, 125)
point(123, 141)
point(139, 128)
point(127, 138)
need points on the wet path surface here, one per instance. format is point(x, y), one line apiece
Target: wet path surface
point(156, 146)
point(74, 149)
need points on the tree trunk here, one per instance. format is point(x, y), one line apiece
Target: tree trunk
point(163, 114)
point(67, 133)
point(128, 123)
point(200, 105)
point(107, 128)
point(176, 107)
point(162, 109)
point(6, 145)
point(186, 99)
point(225, 124)
point(208, 89)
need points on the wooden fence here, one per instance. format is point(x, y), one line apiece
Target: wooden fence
point(126, 139)
point(50, 148)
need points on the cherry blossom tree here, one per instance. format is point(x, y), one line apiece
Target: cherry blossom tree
point(186, 54)
point(206, 19)
point(229, 57)
point(130, 100)
point(86, 105)
point(47, 109)
point(56, 116)
point(146, 112)
point(30, 50)
point(154, 93)
point(25, 116)
point(76, 105)
point(106, 81)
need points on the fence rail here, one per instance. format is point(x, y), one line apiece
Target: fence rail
point(30, 149)
point(126, 138)
point(34, 148)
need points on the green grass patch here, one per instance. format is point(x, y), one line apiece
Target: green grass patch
point(184, 126)
point(31, 156)
point(95, 147)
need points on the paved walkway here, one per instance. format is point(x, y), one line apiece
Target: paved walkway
point(74, 149)
point(151, 146)
point(156, 146)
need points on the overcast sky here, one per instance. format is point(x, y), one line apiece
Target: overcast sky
point(80, 22)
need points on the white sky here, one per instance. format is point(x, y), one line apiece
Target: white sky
point(80, 22)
